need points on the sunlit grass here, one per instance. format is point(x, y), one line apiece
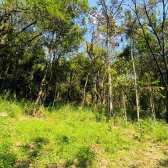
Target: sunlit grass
point(83, 137)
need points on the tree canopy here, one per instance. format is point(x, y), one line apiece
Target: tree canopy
point(47, 56)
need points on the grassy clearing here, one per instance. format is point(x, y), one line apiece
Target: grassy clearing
point(70, 136)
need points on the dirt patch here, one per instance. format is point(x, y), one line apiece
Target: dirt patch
point(141, 157)
point(3, 115)
point(103, 163)
point(52, 166)
point(23, 163)
point(99, 153)
point(22, 118)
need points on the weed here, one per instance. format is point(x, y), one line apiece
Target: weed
point(69, 135)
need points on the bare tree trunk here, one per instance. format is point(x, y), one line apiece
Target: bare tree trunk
point(109, 75)
point(95, 89)
point(84, 90)
point(69, 88)
point(43, 98)
point(167, 104)
point(103, 92)
point(152, 106)
point(124, 106)
point(135, 85)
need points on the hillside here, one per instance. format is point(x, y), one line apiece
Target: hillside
point(71, 136)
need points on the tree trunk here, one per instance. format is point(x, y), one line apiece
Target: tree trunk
point(124, 106)
point(84, 90)
point(30, 86)
point(110, 104)
point(103, 92)
point(69, 88)
point(152, 105)
point(6, 74)
point(15, 79)
point(95, 89)
point(45, 90)
point(135, 85)
point(167, 105)
point(161, 43)
point(55, 95)
point(41, 90)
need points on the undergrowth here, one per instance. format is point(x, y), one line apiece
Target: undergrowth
point(68, 135)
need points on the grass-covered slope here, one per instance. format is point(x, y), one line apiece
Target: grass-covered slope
point(70, 136)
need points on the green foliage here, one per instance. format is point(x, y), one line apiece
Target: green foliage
point(36, 27)
point(10, 108)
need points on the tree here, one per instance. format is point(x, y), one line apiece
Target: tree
point(53, 26)
point(152, 26)
point(135, 79)
point(107, 27)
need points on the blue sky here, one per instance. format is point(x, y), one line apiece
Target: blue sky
point(92, 3)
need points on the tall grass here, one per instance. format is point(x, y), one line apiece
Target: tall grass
point(70, 135)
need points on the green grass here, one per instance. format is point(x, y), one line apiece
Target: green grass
point(70, 136)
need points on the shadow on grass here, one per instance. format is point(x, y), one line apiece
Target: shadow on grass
point(31, 150)
point(7, 159)
point(164, 163)
point(22, 163)
point(84, 158)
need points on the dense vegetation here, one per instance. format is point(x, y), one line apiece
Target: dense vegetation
point(92, 73)
point(123, 67)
